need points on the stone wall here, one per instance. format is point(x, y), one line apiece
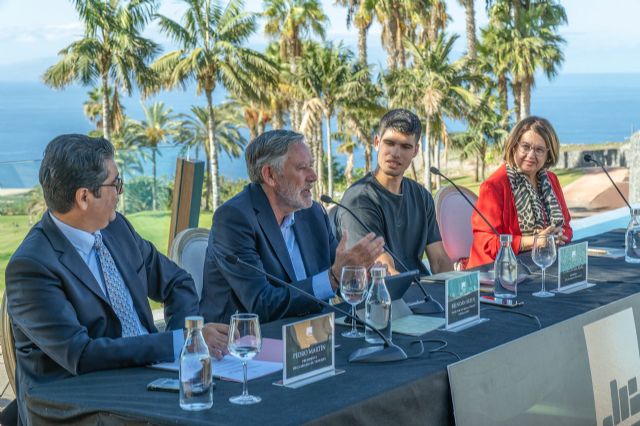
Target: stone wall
point(612, 157)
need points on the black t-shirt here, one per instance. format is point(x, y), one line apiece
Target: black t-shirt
point(407, 221)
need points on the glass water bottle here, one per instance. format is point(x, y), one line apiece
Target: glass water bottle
point(505, 282)
point(632, 239)
point(196, 375)
point(378, 307)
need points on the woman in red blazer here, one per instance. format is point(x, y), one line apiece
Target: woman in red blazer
point(522, 197)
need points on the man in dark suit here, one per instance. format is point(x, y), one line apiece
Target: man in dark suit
point(77, 286)
point(275, 225)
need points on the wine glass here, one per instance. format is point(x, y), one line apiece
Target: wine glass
point(543, 255)
point(245, 342)
point(353, 287)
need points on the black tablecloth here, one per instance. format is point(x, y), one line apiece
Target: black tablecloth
point(415, 391)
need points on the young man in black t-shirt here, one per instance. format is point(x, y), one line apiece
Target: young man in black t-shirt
point(395, 207)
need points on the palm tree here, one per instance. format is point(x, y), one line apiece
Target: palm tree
point(129, 157)
point(211, 37)
point(487, 129)
point(160, 125)
point(93, 109)
point(360, 12)
point(329, 74)
point(470, 20)
point(440, 89)
point(526, 37)
point(291, 22)
point(194, 134)
point(112, 51)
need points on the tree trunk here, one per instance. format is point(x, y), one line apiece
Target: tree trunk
point(207, 192)
point(525, 99)
point(319, 155)
point(106, 113)
point(472, 49)
point(426, 172)
point(295, 104)
point(368, 148)
point(392, 54)
point(484, 160)
point(477, 174)
point(213, 153)
point(517, 92)
point(278, 118)
point(503, 94)
point(253, 132)
point(154, 187)
point(438, 149)
point(348, 170)
point(362, 43)
point(327, 117)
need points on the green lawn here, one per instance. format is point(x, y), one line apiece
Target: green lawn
point(566, 176)
point(154, 226)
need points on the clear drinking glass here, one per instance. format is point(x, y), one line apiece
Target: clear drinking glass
point(353, 287)
point(245, 342)
point(543, 255)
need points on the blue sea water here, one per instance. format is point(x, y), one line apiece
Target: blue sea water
point(584, 108)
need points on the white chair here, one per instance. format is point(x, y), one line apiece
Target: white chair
point(188, 250)
point(453, 214)
point(8, 343)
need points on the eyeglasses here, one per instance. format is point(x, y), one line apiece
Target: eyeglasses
point(526, 148)
point(118, 183)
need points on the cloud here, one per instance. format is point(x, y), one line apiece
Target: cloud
point(47, 33)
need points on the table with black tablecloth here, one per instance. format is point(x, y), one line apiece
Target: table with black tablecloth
point(414, 391)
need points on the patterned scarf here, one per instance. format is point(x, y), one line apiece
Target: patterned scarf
point(536, 209)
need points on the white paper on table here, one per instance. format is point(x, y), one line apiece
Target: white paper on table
point(230, 368)
point(268, 361)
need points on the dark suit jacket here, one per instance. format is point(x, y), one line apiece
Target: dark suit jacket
point(246, 227)
point(62, 321)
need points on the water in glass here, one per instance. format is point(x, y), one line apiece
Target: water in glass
point(353, 288)
point(543, 255)
point(245, 342)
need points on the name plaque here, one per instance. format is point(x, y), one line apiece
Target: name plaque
point(573, 266)
point(462, 301)
point(309, 351)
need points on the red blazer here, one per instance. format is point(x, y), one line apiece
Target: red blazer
point(496, 203)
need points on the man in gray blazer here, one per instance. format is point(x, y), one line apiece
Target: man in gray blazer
point(274, 225)
point(77, 286)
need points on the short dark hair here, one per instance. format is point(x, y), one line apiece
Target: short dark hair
point(70, 162)
point(270, 148)
point(403, 121)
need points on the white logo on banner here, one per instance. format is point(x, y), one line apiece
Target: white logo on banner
point(615, 368)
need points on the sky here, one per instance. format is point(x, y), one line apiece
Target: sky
point(602, 35)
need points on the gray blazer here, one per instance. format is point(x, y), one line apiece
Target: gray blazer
point(246, 227)
point(63, 322)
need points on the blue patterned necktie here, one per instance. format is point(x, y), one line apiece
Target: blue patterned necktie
point(117, 292)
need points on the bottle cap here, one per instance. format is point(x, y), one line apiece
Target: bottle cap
point(378, 272)
point(193, 322)
point(505, 238)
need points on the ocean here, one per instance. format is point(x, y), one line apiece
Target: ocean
point(584, 108)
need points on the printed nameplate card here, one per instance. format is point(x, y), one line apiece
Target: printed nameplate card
point(573, 261)
point(308, 351)
point(462, 297)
